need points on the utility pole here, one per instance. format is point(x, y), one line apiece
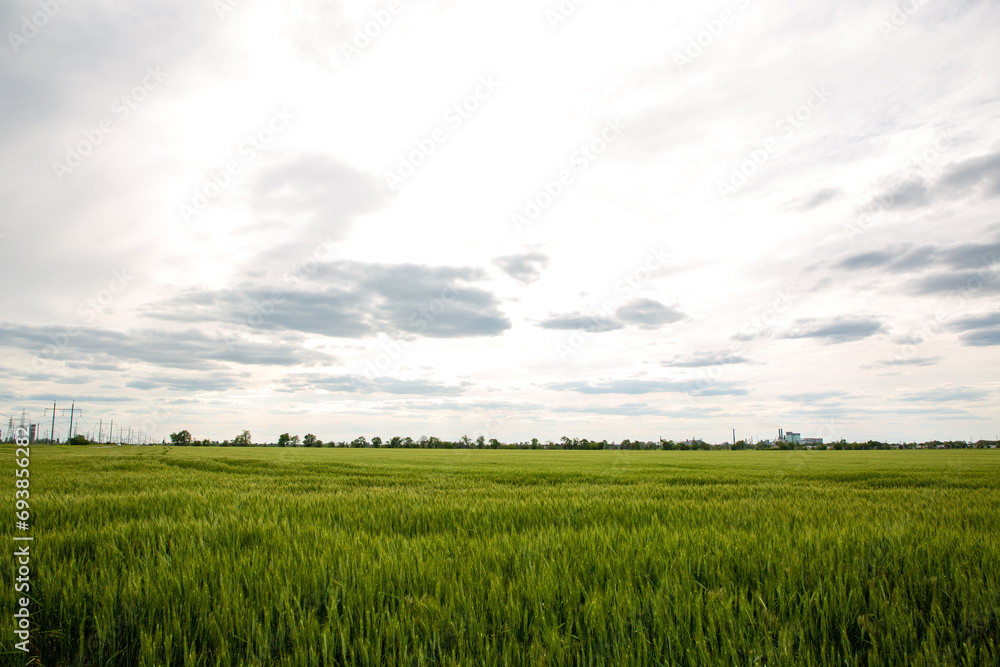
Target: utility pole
point(734, 437)
point(52, 428)
point(100, 429)
point(111, 431)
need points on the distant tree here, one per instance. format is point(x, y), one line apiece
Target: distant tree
point(480, 442)
point(376, 441)
point(310, 441)
point(494, 443)
point(408, 443)
point(359, 442)
point(465, 441)
point(78, 440)
point(740, 445)
point(296, 441)
point(396, 442)
point(284, 439)
point(182, 438)
point(242, 440)
point(534, 443)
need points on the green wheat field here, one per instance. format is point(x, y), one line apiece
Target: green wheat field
point(261, 556)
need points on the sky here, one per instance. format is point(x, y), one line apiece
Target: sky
point(604, 219)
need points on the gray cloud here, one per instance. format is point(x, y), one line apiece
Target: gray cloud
point(705, 359)
point(836, 330)
point(96, 366)
point(897, 259)
point(643, 313)
point(68, 398)
point(946, 394)
point(525, 268)
point(975, 322)
point(648, 314)
point(36, 377)
point(965, 283)
point(966, 268)
point(868, 260)
point(968, 255)
point(970, 173)
point(212, 382)
point(52, 72)
point(634, 410)
point(189, 349)
point(693, 387)
point(909, 339)
point(912, 361)
point(987, 338)
point(317, 194)
point(359, 384)
point(957, 179)
point(810, 397)
point(348, 299)
point(818, 198)
point(910, 194)
point(580, 322)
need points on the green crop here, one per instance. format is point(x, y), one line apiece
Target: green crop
point(181, 556)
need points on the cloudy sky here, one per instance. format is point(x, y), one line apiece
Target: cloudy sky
point(604, 219)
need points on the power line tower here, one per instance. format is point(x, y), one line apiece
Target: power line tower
point(72, 413)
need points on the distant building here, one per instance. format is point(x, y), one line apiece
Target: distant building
point(812, 441)
point(789, 436)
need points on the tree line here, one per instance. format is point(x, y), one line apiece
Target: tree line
point(244, 439)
